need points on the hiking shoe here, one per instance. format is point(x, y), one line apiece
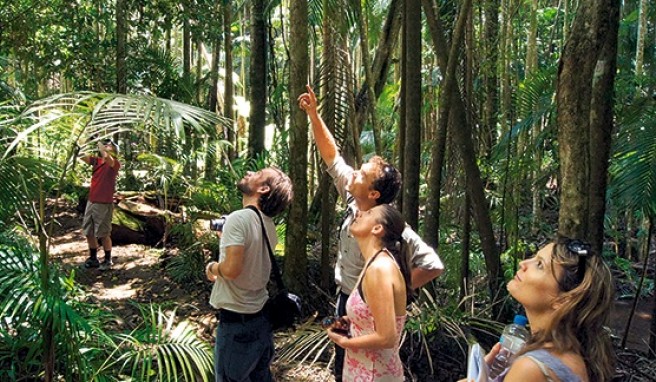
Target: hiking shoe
point(91, 263)
point(106, 265)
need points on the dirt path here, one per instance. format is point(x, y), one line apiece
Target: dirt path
point(137, 276)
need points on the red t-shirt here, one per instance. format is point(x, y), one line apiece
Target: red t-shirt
point(103, 181)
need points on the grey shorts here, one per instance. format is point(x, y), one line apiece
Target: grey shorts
point(98, 219)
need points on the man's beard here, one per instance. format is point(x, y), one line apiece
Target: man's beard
point(244, 187)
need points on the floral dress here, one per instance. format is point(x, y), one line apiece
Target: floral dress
point(369, 365)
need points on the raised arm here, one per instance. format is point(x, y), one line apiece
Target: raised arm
point(323, 138)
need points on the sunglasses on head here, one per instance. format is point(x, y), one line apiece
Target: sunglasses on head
point(582, 250)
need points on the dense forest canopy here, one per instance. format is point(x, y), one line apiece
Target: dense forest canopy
point(510, 121)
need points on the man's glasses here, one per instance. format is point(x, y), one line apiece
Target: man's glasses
point(583, 250)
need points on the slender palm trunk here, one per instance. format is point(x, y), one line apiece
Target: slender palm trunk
point(228, 88)
point(413, 102)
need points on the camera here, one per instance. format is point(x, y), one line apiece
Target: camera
point(217, 224)
point(338, 324)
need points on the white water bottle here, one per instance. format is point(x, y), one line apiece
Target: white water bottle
point(512, 340)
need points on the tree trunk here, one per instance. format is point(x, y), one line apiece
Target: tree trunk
point(462, 137)
point(566, 20)
point(328, 200)
point(121, 48)
point(228, 85)
point(186, 48)
point(402, 110)
point(199, 69)
point(210, 156)
point(652, 335)
point(258, 78)
point(242, 52)
point(574, 96)
point(628, 235)
point(413, 103)
point(212, 98)
point(382, 61)
point(369, 80)
point(464, 254)
point(44, 262)
point(601, 128)
point(512, 190)
point(505, 52)
point(295, 251)
point(328, 110)
point(121, 80)
point(352, 151)
point(531, 67)
point(490, 79)
point(432, 219)
point(642, 32)
point(446, 96)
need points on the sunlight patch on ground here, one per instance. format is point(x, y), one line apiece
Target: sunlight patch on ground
point(73, 242)
point(119, 292)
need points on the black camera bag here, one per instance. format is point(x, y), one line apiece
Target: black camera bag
point(283, 308)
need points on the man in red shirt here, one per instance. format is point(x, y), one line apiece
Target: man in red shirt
point(100, 206)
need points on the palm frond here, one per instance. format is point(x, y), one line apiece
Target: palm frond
point(164, 350)
point(18, 177)
point(28, 303)
point(19, 280)
point(337, 102)
point(633, 163)
point(100, 115)
point(534, 101)
point(309, 341)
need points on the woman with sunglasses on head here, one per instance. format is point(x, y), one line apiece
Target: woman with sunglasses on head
point(376, 309)
point(567, 292)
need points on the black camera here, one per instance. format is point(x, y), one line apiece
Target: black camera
point(217, 224)
point(338, 324)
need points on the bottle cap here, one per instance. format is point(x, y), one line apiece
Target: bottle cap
point(520, 320)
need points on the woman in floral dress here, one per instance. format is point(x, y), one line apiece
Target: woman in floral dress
point(376, 309)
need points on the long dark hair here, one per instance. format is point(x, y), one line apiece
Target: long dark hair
point(393, 226)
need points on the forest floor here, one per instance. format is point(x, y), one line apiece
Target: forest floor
point(138, 276)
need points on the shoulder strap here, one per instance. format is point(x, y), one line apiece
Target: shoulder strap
point(543, 368)
point(546, 361)
point(365, 270)
point(275, 270)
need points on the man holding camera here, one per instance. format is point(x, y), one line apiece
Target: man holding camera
point(97, 221)
point(244, 339)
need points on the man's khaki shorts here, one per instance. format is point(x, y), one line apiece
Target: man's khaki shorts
point(98, 219)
